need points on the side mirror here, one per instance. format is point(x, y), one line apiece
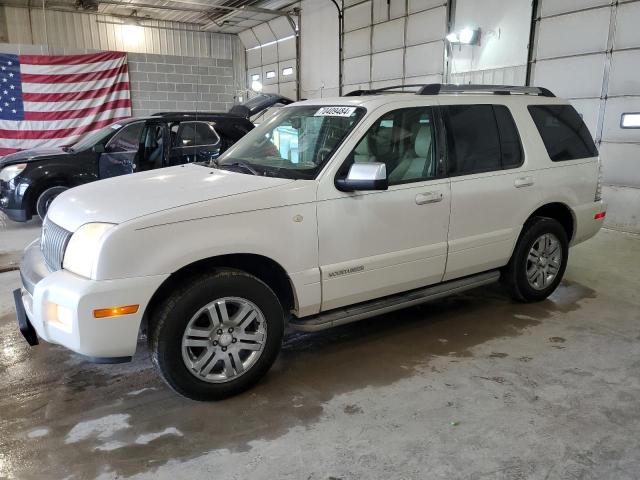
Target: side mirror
point(364, 176)
point(98, 148)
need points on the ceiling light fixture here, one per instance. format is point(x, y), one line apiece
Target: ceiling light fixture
point(466, 36)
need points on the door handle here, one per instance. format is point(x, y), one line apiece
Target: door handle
point(429, 197)
point(523, 182)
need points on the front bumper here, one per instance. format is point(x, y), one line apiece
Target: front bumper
point(59, 306)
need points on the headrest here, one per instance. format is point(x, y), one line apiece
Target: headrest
point(423, 141)
point(363, 147)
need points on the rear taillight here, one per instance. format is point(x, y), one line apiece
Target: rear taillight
point(600, 215)
point(598, 196)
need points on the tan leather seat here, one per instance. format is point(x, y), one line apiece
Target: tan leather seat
point(417, 164)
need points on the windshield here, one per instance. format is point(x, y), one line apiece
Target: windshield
point(295, 143)
point(88, 140)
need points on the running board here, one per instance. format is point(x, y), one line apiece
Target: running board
point(360, 311)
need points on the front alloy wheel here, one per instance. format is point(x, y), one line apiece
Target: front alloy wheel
point(217, 335)
point(224, 339)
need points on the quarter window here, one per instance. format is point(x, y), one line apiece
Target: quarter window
point(404, 140)
point(127, 139)
point(563, 132)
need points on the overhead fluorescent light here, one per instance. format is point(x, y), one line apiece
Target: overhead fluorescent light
point(287, 71)
point(255, 77)
point(271, 74)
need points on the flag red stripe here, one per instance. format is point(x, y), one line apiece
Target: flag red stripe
point(75, 77)
point(69, 96)
point(83, 112)
point(7, 151)
point(62, 133)
point(69, 59)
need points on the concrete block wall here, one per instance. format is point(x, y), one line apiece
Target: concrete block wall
point(173, 83)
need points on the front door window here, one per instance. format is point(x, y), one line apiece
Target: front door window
point(121, 151)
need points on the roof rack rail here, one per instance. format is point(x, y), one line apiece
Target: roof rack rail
point(437, 88)
point(389, 89)
point(185, 114)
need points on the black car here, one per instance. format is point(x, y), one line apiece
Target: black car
point(31, 179)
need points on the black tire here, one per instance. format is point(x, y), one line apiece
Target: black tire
point(171, 318)
point(45, 199)
point(514, 275)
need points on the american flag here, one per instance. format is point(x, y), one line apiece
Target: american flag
point(50, 101)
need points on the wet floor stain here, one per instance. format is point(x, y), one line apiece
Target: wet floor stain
point(498, 355)
point(88, 408)
point(352, 409)
point(557, 340)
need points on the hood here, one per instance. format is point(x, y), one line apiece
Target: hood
point(119, 199)
point(33, 154)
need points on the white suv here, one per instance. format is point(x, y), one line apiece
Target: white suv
point(331, 211)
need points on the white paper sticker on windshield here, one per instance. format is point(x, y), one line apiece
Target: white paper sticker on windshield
point(116, 126)
point(335, 112)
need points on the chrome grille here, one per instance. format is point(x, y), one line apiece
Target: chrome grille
point(53, 243)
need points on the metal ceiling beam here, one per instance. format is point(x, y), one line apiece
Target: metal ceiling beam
point(183, 7)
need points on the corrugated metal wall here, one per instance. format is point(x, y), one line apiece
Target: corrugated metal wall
point(393, 42)
point(86, 31)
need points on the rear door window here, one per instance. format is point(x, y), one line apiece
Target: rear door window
point(127, 139)
point(565, 135)
point(481, 138)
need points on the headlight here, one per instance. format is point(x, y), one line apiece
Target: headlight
point(9, 173)
point(82, 250)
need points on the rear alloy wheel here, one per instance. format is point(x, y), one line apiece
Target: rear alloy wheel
point(538, 261)
point(45, 199)
point(217, 335)
point(543, 261)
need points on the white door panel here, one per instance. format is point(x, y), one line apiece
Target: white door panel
point(388, 241)
point(487, 212)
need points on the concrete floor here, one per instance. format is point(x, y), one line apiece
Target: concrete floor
point(471, 387)
point(14, 237)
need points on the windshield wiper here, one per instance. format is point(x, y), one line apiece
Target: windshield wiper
point(238, 163)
